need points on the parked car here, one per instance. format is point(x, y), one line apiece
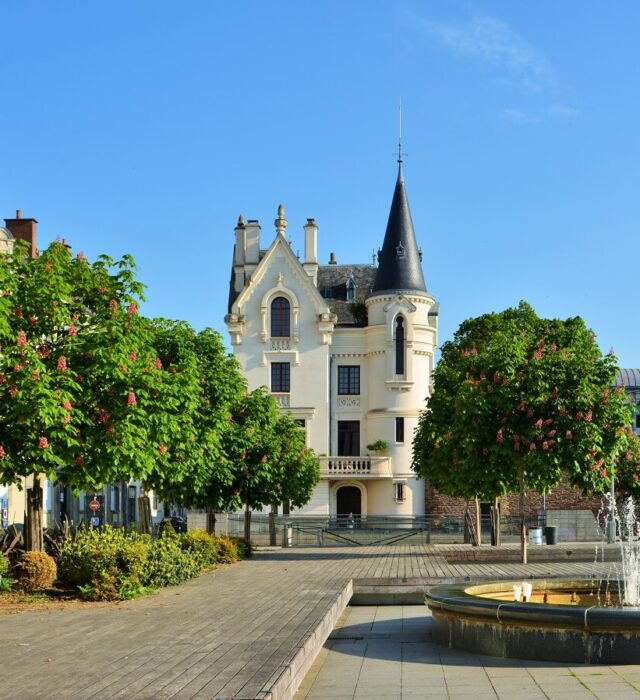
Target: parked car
point(178, 523)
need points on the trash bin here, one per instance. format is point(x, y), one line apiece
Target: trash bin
point(287, 535)
point(535, 535)
point(551, 534)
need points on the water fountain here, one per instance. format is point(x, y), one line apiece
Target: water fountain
point(593, 620)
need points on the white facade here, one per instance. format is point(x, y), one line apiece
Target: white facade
point(339, 375)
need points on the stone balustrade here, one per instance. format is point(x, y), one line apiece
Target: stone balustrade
point(358, 466)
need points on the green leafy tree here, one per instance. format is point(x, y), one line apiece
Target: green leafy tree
point(191, 469)
point(518, 401)
point(296, 468)
point(268, 455)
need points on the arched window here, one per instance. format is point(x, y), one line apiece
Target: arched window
point(400, 345)
point(280, 318)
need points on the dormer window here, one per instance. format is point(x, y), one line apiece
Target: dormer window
point(280, 318)
point(351, 289)
point(400, 251)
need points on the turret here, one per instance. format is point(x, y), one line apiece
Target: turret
point(399, 260)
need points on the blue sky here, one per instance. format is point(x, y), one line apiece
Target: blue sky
point(148, 127)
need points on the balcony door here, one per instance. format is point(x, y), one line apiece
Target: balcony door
point(348, 438)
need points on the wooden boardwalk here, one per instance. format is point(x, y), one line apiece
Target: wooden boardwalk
point(250, 630)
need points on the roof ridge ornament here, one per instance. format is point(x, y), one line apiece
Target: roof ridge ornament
point(281, 223)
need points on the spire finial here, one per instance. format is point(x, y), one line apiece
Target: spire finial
point(281, 222)
point(401, 153)
point(400, 132)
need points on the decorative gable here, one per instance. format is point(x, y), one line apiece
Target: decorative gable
point(278, 273)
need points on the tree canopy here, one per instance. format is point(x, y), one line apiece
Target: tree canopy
point(75, 359)
point(517, 402)
point(192, 468)
point(271, 462)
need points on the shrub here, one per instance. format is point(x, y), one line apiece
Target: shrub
point(202, 545)
point(227, 551)
point(37, 571)
point(104, 564)
point(5, 574)
point(378, 446)
point(168, 564)
point(244, 548)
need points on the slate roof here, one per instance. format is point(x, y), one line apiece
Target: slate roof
point(332, 285)
point(399, 264)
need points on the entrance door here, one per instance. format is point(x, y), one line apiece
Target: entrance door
point(349, 438)
point(349, 501)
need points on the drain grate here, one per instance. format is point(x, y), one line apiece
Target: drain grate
point(349, 639)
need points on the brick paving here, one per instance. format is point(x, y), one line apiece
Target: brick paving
point(251, 630)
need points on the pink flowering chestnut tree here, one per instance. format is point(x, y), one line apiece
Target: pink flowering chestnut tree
point(70, 391)
point(518, 403)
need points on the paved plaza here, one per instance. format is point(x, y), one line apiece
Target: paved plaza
point(254, 629)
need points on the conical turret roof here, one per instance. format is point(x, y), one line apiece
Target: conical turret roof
point(399, 264)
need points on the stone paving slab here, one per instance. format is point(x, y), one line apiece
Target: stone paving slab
point(250, 630)
point(387, 652)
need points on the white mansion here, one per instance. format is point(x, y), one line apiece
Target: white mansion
point(347, 350)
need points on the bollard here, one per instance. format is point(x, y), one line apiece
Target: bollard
point(287, 535)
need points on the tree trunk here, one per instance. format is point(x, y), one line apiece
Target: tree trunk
point(211, 520)
point(466, 520)
point(471, 535)
point(144, 511)
point(247, 524)
point(272, 525)
point(523, 527)
point(478, 522)
point(33, 539)
point(496, 539)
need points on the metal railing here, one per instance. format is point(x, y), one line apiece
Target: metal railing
point(374, 529)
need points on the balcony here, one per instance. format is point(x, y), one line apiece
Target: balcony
point(363, 467)
point(282, 400)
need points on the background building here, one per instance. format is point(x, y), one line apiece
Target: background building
point(630, 380)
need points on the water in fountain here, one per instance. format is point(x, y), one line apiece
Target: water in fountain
point(630, 551)
point(624, 524)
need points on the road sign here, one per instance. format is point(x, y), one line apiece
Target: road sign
point(94, 505)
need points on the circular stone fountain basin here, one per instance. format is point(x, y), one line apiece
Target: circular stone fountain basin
point(484, 619)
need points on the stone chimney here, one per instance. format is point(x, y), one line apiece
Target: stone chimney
point(241, 242)
point(332, 259)
point(24, 230)
point(239, 252)
point(311, 249)
point(252, 250)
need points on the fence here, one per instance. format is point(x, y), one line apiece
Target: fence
point(301, 530)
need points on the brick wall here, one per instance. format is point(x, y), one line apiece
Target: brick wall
point(563, 497)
